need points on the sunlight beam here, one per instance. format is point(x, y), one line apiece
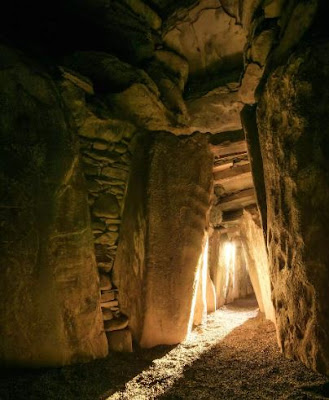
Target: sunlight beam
point(165, 371)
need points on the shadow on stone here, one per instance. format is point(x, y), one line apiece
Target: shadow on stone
point(98, 379)
point(247, 364)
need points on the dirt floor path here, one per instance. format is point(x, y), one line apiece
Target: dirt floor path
point(233, 356)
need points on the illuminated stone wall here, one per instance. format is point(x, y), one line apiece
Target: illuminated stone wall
point(162, 236)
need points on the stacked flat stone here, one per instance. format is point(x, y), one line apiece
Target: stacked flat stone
point(106, 168)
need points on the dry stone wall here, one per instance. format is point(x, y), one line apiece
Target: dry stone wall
point(107, 171)
point(105, 151)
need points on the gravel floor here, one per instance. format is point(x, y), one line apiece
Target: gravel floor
point(233, 356)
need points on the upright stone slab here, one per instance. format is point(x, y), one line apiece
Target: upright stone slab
point(49, 291)
point(217, 266)
point(293, 123)
point(162, 236)
point(254, 249)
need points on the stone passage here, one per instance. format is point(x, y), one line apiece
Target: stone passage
point(106, 164)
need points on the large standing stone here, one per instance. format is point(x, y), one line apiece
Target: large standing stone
point(217, 268)
point(50, 307)
point(162, 235)
point(257, 261)
point(293, 121)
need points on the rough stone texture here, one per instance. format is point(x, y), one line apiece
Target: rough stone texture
point(174, 63)
point(248, 10)
point(120, 341)
point(107, 72)
point(249, 123)
point(129, 269)
point(217, 274)
point(132, 94)
point(295, 21)
point(162, 235)
point(106, 206)
point(207, 37)
point(149, 15)
point(293, 128)
point(105, 151)
point(50, 306)
point(210, 294)
point(200, 301)
point(140, 105)
point(217, 111)
point(170, 85)
point(261, 46)
point(250, 81)
point(256, 257)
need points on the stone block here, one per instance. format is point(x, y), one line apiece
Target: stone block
point(120, 341)
point(110, 304)
point(106, 206)
point(105, 281)
point(116, 324)
point(107, 296)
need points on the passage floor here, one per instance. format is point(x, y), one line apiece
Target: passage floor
point(233, 356)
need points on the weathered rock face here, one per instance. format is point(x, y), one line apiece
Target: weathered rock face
point(131, 93)
point(50, 307)
point(216, 111)
point(207, 37)
point(162, 236)
point(293, 128)
point(105, 151)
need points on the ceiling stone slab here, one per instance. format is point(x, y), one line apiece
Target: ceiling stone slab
point(238, 200)
point(217, 111)
point(208, 37)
